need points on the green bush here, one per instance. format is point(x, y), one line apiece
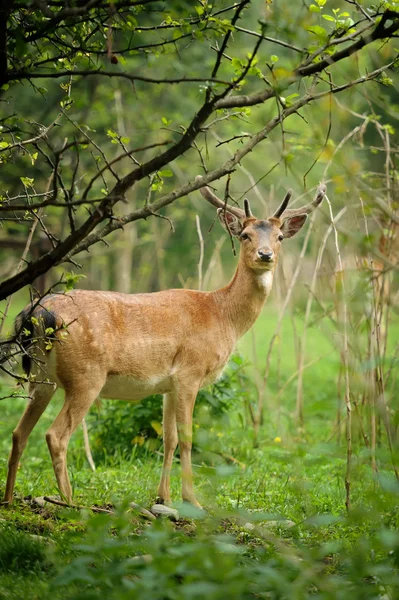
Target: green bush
point(121, 427)
point(20, 552)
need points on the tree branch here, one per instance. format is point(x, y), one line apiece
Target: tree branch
point(227, 167)
point(379, 32)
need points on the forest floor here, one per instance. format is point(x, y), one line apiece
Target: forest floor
point(274, 525)
point(280, 505)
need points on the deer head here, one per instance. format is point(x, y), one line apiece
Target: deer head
point(261, 239)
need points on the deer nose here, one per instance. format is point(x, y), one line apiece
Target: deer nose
point(265, 256)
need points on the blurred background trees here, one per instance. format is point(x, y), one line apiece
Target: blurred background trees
point(110, 111)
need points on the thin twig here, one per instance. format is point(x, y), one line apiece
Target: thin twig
point(89, 455)
point(201, 256)
point(345, 356)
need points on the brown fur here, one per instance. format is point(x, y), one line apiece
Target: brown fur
point(130, 346)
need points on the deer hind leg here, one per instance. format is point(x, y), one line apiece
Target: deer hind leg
point(77, 402)
point(40, 396)
point(170, 443)
point(184, 417)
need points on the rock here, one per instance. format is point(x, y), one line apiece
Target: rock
point(249, 526)
point(160, 510)
point(44, 501)
point(285, 523)
point(39, 501)
point(142, 511)
point(142, 558)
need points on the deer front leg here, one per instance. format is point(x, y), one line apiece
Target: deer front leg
point(184, 416)
point(76, 404)
point(170, 443)
point(40, 397)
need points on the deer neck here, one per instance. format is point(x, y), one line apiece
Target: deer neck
point(243, 298)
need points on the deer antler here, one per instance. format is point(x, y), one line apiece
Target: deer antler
point(247, 208)
point(215, 201)
point(304, 210)
point(283, 205)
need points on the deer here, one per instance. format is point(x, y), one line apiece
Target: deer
point(128, 346)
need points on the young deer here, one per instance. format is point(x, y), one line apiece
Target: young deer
point(128, 346)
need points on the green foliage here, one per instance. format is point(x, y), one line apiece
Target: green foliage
point(165, 563)
point(276, 525)
point(71, 279)
point(119, 426)
point(296, 473)
point(20, 552)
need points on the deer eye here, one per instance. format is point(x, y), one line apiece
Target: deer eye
point(244, 236)
point(280, 238)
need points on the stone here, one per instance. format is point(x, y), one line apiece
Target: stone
point(284, 523)
point(142, 558)
point(39, 501)
point(160, 510)
point(142, 511)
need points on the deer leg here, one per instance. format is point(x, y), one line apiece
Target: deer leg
point(170, 443)
point(40, 396)
point(77, 403)
point(184, 416)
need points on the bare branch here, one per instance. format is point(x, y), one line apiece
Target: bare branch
point(19, 75)
point(270, 39)
point(379, 32)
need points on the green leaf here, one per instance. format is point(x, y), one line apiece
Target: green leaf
point(274, 58)
point(236, 63)
point(319, 31)
point(166, 173)
point(71, 279)
point(314, 8)
point(348, 23)
point(112, 134)
point(328, 18)
point(4, 145)
point(289, 99)
point(27, 181)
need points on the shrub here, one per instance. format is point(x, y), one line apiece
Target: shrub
point(121, 426)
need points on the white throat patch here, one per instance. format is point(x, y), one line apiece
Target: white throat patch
point(266, 281)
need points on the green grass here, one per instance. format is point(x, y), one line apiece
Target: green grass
point(294, 474)
point(288, 480)
point(274, 482)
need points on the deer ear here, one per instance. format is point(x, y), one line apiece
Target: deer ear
point(230, 222)
point(292, 225)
